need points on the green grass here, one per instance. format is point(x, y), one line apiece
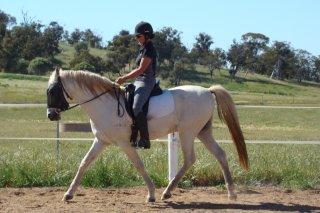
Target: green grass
point(30, 164)
point(18, 88)
point(33, 163)
point(257, 124)
point(67, 54)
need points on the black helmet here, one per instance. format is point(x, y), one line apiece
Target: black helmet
point(144, 28)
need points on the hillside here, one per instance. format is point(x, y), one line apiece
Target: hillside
point(246, 89)
point(67, 53)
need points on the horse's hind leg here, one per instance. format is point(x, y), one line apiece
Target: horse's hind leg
point(187, 145)
point(95, 150)
point(206, 137)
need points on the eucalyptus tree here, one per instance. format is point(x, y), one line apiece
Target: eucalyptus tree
point(303, 65)
point(255, 45)
point(216, 59)
point(172, 55)
point(316, 71)
point(122, 50)
point(201, 48)
point(282, 60)
point(236, 56)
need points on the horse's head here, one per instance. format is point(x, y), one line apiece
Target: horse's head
point(56, 102)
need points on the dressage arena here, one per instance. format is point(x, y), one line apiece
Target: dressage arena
point(208, 199)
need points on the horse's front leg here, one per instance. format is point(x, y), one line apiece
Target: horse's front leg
point(95, 150)
point(137, 162)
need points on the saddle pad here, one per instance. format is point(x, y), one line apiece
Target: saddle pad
point(160, 105)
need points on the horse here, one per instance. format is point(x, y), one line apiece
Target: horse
point(191, 117)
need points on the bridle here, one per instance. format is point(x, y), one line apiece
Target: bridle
point(57, 89)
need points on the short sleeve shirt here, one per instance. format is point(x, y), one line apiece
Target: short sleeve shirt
point(149, 51)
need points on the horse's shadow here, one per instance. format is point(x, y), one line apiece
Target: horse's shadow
point(244, 207)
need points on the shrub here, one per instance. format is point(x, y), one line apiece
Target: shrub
point(85, 66)
point(22, 66)
point(39, 66)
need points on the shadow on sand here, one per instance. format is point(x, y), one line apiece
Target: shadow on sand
point(240, 207)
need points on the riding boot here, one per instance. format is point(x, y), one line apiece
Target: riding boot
point(142, 124)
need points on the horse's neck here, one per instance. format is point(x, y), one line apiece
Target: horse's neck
point(102, 109)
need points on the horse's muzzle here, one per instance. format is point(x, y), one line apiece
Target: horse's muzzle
point(53, 114)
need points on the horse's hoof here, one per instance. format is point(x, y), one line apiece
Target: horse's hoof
point(232, 197)
point(67, 197)
point(165, 196)
point(151, 200)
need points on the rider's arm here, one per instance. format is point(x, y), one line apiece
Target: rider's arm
point(144, 63)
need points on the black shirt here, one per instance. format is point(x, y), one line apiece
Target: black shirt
point(148, 50)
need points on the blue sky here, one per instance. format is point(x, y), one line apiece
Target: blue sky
point(293, 21)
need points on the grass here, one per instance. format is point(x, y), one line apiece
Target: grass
point(67, 54)
point(18, 88)
point(257, 124)
point(30, 163)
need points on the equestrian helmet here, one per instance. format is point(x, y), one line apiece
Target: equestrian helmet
point(144, 28)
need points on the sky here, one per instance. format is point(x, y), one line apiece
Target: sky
point(292, 21)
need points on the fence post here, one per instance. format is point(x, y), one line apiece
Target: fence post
point(172, 155)
point(58, 143)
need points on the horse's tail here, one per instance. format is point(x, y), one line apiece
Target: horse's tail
point(227, 114)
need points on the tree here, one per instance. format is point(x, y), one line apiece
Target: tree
point(5, 21)
point(216, 60)
point(283, 58)
point(303, 65)
point(75, 37)
point(201, 48)
point(316, 71)
point(50, 39)
point(122, 50)
point(166, 41)
point(237, 57)
point(93, 40)
point(84, 60)
point(254, 45)
point(171, 51)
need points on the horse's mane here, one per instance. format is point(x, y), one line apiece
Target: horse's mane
point(88, 80)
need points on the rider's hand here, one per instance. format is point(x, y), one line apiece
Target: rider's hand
point(120, 80)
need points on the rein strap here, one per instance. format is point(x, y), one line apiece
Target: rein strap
point(95, 97)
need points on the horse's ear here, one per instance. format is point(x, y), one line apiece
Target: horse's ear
point(57, 70)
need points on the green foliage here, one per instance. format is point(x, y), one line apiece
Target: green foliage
point(39, 66)
point(122, 50)
point(84, 66)
point(22, 66)
point(83, 58)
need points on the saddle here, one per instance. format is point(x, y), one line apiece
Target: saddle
point(129, 97)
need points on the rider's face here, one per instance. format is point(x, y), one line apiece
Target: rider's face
point(140, 38)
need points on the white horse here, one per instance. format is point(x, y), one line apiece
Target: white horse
point(191, 117)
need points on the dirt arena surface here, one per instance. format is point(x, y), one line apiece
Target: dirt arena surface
point(204, 199)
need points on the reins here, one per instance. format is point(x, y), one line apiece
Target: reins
point(116, 92)
point(95, 97)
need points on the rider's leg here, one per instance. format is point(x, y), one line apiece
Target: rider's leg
point(142, 93)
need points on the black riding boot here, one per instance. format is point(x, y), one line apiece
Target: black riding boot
point(142, 124)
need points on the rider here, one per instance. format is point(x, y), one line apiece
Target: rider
point(145, 79)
